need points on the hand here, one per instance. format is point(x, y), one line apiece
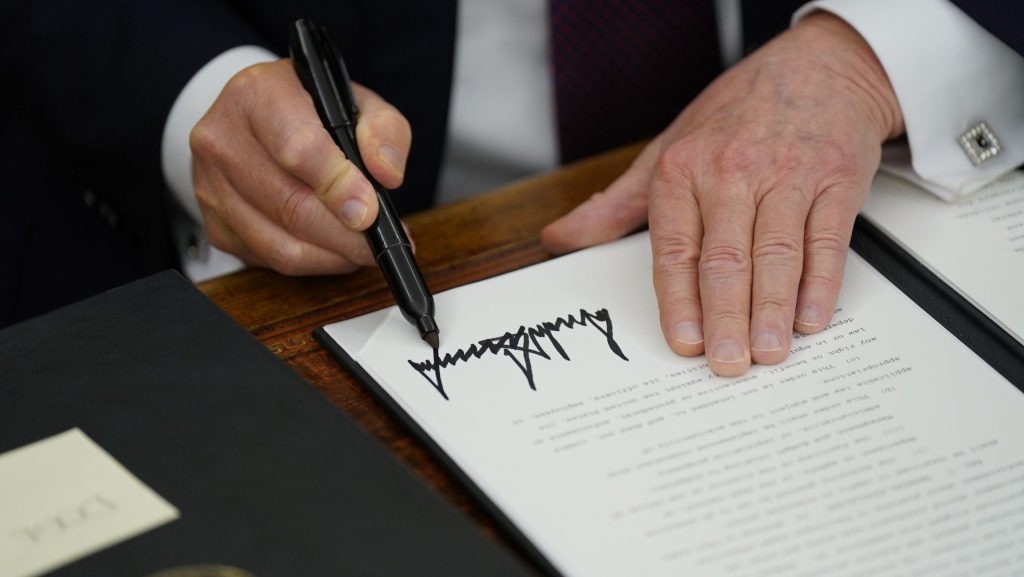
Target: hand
point(273, 187)
point(751, 195)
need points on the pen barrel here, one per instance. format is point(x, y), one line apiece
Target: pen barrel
point(403, 277)
point(393, 252)
point(387, 230)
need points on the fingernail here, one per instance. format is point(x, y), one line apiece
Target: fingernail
point(766, 341)
point(808, 315)
point(390, 156)
point(689, 333)
point(728, 351)
point(353, 212)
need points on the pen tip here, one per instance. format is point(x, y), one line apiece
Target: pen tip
point(432, 339)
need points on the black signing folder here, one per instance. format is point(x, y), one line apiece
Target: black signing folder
point(267, 475)
point(954, 312)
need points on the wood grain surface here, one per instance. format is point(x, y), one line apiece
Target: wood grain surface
point(456, 244)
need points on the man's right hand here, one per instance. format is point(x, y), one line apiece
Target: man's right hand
point(273, 187)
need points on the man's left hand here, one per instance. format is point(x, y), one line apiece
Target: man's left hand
point(751, 195)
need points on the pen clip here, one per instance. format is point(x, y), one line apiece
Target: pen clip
point(319, 65)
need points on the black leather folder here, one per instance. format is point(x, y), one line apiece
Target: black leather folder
point(267, 475)
point(974, 328)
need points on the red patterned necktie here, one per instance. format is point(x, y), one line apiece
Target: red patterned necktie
point(624, 69)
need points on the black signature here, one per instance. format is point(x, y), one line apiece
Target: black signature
point(520, 347)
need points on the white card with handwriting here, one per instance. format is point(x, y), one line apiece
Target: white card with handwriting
point(63, 498)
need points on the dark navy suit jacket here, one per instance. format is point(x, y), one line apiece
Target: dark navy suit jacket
point(90, 84)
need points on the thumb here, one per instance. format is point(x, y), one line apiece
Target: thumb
point(608, 215)
point(384, 137)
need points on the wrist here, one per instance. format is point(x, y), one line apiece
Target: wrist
point(841, 49)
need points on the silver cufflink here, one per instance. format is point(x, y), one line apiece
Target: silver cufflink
point(980, 143)
point(197, 247)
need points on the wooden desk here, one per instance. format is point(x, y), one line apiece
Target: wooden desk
point(456, 244)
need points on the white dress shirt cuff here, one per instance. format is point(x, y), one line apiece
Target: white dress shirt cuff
point(949, 74)
point(193, 102)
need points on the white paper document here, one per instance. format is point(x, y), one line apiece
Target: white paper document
point(976, 244)
point(881, 447)
point(64, 497)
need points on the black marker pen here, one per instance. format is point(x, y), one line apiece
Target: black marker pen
point(323, 74)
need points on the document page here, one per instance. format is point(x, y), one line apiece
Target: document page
point(976, 245)
point(881, 446)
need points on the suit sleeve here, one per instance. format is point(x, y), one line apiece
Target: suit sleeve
point(1000, 17)
point(102, 77)
point(950, 75)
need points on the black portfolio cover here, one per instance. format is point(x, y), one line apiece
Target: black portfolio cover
point(267, 475)
point(975, 329)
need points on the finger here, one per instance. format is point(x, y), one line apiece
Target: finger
point(286, 125)
point(221, 237)
point(608, 215)
point(777, 254)
point(278, 250)
point(269, 245)
point(216, 232)
point(384, 137)
point(292, 204)
point(826, 242)
point(725, 272)
point(676, 233)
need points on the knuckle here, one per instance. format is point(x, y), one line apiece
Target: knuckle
point(674, 165)
point(300, 144)
point(724, 260)
point(666, 169)
point(839, 162)
point(205, 196)
point(733, 159)
point(295, 213)
point(348, 266)
point(777, 248)
point(361, 254)
point(726, 316)
point(790, 159)
point(674, 252)
point(822, 280)
point(246, 79)
point(338, 177)
point(218, 238)
point(284, 257)
point(827, 242)
point(205, 140)
point(680, 301)
point(772, 301)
